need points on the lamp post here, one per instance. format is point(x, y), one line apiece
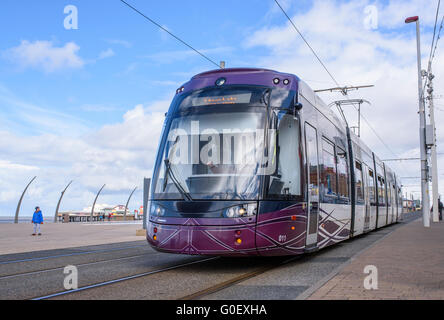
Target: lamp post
point(422, 120)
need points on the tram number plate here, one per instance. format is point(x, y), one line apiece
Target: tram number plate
point(282, 238)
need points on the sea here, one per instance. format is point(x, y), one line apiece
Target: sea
point(7, 219)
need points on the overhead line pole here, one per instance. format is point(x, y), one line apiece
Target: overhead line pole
point(435, 214)
point(422, 119)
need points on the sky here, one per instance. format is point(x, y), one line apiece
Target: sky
point(87, 104)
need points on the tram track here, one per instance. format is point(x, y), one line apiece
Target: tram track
point(194, 296)
point(77, 265)
point(69, 254)
point(231, 282)
point(109, 282)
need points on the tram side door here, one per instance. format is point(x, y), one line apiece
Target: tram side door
point(311, 143)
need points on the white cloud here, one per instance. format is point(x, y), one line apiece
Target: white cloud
point(106, 54)
point(17, 115)
point(43, 55)
point(120, 42)
point(8, 165)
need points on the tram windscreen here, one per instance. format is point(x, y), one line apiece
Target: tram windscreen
point(214, 147)
point(217, 147)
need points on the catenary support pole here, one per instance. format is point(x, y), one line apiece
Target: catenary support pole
point(423, 148)
point(17, 211)
point(434, 161)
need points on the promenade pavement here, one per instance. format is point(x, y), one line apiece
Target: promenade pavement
point(409, 262)
point(17, 238)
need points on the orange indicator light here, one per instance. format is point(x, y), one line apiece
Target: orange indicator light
point(155, 237)
point(239, 241)
point(292, 228)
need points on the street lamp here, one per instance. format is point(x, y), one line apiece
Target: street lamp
point(422, 120)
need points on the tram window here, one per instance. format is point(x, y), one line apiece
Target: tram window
point(399, 197)
point(312, 160)
point(328, 169)
point(384, 195)
point(395, 200)
point(371, 186)
point(381, 191)
point(389, 194)
point(342, 173)
point(359, 184)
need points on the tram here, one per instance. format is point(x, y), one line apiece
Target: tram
point(251, 162)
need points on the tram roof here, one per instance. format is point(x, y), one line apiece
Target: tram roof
point(248, 76)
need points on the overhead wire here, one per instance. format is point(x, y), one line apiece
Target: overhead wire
point(170, 33)
point(333, 78)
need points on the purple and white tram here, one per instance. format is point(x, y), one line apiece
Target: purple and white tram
point(253, 162)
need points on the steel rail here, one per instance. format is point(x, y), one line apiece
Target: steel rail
point(235, 280)
point(77, 265)
point(105, 283)
point(69, 254)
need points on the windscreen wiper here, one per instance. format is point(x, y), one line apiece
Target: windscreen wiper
point(168, 172)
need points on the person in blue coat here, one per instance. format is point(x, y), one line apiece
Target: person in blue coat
point(37, 220)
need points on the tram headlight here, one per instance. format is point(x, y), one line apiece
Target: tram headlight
point(157, 210)
point(246, 210)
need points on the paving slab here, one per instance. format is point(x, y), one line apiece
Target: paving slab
point(409, 264)
point(17, 238)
